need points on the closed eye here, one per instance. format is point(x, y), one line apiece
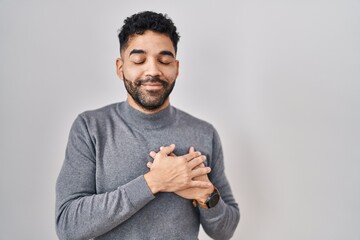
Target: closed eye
point(165, 63)
point(166, 60)
point(138, 62)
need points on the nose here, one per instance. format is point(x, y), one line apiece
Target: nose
point(152, 68)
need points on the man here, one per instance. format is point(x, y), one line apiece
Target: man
point(131, 170)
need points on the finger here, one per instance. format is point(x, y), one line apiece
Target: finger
point(168, 149)
point(191, 156)
point(152, 154)
point(201, 165)
point(191, 149)
point(200, 171)
point(149, 164)
point(200, 184)
point(196, 161)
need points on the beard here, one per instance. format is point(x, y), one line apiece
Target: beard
point(148, 99)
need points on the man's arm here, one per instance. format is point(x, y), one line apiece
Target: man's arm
point(81, 213)
point(220, 221)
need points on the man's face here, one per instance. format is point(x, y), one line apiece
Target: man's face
point(149, 69)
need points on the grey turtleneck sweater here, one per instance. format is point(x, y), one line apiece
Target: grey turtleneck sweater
point(101, 192)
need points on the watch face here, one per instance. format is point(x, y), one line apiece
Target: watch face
point(213, 200)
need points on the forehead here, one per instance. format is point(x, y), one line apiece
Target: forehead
point(150, 42)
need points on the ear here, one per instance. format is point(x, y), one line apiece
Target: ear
point(177, 68)
point(119, 68)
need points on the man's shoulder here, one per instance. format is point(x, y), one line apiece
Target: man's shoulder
point(104, 112)
point(190, 120)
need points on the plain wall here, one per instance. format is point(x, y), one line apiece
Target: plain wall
point(279, 80)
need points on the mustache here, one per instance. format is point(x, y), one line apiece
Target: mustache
point(151, 80)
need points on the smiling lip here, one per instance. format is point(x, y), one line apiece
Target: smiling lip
point(152, 85)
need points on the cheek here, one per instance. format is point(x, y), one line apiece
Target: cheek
point(131, 74)
point(171, 74)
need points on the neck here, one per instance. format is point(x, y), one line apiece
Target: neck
point(133, 104)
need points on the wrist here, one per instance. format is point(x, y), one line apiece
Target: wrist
point(211, 200)
point(204, 197)
point(153, 185)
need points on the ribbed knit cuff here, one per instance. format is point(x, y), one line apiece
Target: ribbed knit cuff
point(138, 192)
point(215, 212)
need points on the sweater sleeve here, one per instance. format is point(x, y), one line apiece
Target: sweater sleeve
point(220, 221)
point(81, 213)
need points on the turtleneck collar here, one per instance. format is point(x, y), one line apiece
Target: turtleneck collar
point(144, 121)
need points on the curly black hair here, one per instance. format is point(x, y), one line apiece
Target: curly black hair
point(142, 21)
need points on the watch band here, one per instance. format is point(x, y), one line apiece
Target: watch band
point(206, 204)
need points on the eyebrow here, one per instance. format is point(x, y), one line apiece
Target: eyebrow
point(140, 51)
point(165, 52)
point(137, 51)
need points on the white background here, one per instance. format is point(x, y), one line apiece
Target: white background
point(280, 81)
